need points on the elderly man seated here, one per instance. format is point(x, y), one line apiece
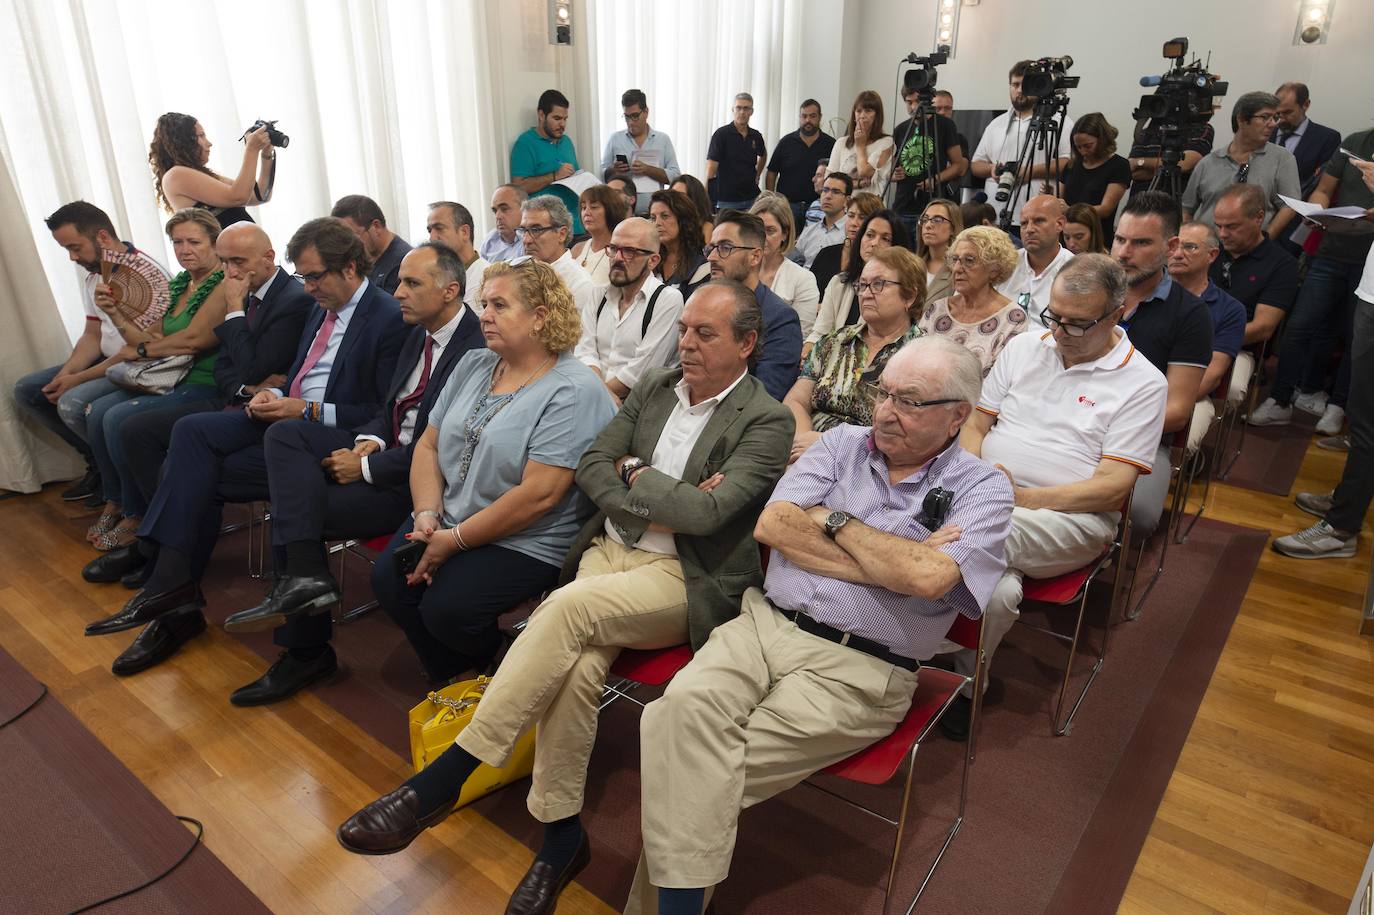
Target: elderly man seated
point(865, 579)
point(1072, 417)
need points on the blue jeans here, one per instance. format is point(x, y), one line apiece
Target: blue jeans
point(67, 418)
point(1323, 312)
point(107, 415)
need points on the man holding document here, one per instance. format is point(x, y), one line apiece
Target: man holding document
point(645, 154)
point(544, 158)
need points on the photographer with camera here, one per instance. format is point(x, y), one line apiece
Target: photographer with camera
point(1001, 147)
point(179, 156)
point(928, 156)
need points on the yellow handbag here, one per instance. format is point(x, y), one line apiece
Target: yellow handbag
point(437, 721)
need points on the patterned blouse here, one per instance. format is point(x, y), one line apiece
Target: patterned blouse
point(844, 386)
point(985, 339)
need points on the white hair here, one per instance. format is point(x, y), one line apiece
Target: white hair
point(963, 373)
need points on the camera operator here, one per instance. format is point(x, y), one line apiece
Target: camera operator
point(1001, 146)
point(179, 156)
point(1145, 154)
point(915, 151)
point(1248, 159)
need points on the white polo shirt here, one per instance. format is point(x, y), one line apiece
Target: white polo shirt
point(1024, 280)
point(612, 343)
point(1055, 424)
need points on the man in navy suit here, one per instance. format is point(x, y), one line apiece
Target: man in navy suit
point(1312, 144)
point(344, 362)
point(330, 483)
point(257, 343)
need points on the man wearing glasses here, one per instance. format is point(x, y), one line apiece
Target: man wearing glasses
point(1041, 256)
point(1248, 159)
point(545, 228)
point(632, 327)
point(835, 190)
point(639, 151)
point(863, 583)
point(1072, 417)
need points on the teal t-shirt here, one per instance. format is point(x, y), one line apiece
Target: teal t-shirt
point(533, 155)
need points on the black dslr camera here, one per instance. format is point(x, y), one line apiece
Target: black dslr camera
point(274, 136)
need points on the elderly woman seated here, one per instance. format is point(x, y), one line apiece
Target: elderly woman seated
point(977, 315)
point(839, 378)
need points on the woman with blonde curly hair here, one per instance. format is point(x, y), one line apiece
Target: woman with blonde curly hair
point(977, 316)
point(179, 156)
point(491, 479)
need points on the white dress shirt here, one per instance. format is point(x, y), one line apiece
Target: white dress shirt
point(1002, 142)
point(579, 283)
point(675, 443)
point(611, 343)
point(472, 284)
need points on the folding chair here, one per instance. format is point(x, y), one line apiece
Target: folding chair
point(649, 667)
point(1072, 587)
point(1196, 459)
point(366, 550)
point(1248, 377)
point(876, 764)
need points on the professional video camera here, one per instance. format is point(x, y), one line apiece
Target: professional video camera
point(1178, 110)
point(922, 81)
point(1048, 76)
point(274, 136)
point(1047, 81)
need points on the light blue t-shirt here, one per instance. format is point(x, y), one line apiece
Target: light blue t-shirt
point(552, 420)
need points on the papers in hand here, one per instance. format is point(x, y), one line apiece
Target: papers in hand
point(643, 183)
point(579, 181)
point(1337, 220)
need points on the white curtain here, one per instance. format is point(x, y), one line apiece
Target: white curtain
point(387, 99)
point(691, 60)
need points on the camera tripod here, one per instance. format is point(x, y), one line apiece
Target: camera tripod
point(1168, 177)
point(926, 121)
point(1042, 136)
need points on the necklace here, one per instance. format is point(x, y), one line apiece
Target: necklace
point(486, 409)
point(176, 287)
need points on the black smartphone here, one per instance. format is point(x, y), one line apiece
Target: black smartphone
point(621, 159)
point(407, 557)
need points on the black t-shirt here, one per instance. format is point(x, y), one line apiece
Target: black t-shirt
point(795, 164)
point(1089, 185)
point(1173, 330)
point(1350, 192)
point(914, 151)
point(1147, 147)
point(1267, 275)
point(826, 265)
point(736, 159)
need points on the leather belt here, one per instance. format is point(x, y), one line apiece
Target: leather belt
point(858, 643)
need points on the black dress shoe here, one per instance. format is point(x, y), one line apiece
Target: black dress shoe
point(83, 488)
point(954, 724)
point(144, 608)
point(286, 677)
point(158, 641)
point(114, 565)
point(538, 891)
point(94, 500)
point(138, 577)
point(290, 595)
point(389, 823)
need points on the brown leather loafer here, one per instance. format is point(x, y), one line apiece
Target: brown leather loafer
point(539, 889)
point(388, 824)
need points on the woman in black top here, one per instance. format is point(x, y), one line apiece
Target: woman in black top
point(683, 262)
point(1096, 175)
point(179, 156)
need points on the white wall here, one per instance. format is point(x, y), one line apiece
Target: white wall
point(1114, 43)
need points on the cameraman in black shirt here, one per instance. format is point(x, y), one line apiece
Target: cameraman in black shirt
point(918, 153)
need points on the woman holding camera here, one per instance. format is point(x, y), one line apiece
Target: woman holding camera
point(179, 156)
point(491, 478)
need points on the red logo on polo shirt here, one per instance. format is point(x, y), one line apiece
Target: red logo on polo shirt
point(1083, 399)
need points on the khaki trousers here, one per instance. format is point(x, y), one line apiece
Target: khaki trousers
point(762, 706)
point(555, 671)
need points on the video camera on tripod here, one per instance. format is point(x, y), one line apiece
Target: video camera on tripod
point(922, 80)
point(1177, 111)
point(1047, 81)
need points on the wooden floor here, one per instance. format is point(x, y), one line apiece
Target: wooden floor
point(1271, 808)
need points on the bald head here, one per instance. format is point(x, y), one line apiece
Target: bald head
point(1042, 219)
point(630, 267)
point(247, 254)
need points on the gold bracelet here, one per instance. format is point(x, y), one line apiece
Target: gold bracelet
point(458, 536)
point(456, 540)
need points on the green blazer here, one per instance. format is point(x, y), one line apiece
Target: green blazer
point(747, 439)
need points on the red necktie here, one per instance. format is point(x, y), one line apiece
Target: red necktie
point(316, 351)
point(398, 412)
point(253, 303)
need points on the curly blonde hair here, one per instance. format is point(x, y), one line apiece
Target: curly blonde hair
point(540, 286)
point(994, 249)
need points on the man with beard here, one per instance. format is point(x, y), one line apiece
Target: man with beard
point(631, 328)
point(793, 163)
point(1170, 326)
point(1001, 144)
point(1041, 256)
point(545, 154)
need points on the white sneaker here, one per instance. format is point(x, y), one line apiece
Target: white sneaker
point(1315, 503)
point(1270, 413)
point(1333, 417)
point(1313, 402)
point(1320, 541)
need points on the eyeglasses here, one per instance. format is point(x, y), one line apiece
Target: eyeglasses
point(1243, 173)
point(932, 220)
point(536, 231)
point(904, 405)
point(634, 116)
point(968, 261)
point(520, 261)
point(1267, 118)
point(310, 277)
point(627, 252)
point(1192, 247)
point(877, 286)
point(726, 248)
point(1052, 320)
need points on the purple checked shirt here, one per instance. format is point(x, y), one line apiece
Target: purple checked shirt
point(845, 472)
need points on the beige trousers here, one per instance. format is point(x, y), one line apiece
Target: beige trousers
point(762, 706)
point(555, 671)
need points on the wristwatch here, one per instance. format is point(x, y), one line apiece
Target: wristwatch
point(628, 468)
point(834, 521)
point(142, 350)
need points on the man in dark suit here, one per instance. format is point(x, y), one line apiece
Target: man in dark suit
point(1312, 144)
point(330, 483)
point(344, 362)
point(679, 477)
point(257, 341)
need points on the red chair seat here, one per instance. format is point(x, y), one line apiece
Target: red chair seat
point(878, 762)
point(376, 544)
point(1058, 590)
point(651, 668)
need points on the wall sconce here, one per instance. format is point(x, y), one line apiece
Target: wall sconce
point(946, 24)
point(1314, 22)
point(560, 22)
